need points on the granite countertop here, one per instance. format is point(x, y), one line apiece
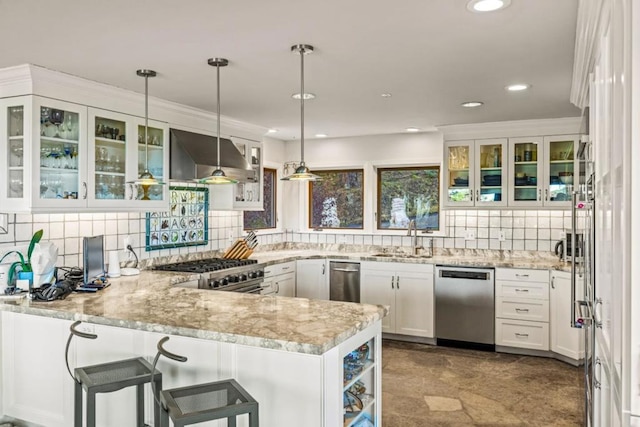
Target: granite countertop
point(151, 302)
point(487, 259)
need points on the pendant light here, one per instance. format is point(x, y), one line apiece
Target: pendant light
point(302, 172)
point(146, 179)
point(218, 176)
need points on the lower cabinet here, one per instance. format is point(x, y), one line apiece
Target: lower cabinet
point(280, 279)
point(312, 279)
point(407, 289)
point(565, 339)
point(522, 308)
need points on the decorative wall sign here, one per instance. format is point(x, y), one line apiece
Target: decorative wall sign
point(186, 223)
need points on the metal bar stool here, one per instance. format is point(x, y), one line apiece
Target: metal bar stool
point(203, 402)
point(108, 377)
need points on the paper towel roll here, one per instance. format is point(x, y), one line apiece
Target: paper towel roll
point(114, 264)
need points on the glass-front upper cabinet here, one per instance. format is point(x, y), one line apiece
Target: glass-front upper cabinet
point(474, 172)
point(15, 153)
point(458, 173)
point(59, 135)
point(152, 155)
point(543, 170)
point(561, 169)
point(527, 160)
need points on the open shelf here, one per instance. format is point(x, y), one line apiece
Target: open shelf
point(58, 140)
point(350, 418)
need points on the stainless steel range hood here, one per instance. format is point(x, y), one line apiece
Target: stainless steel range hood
point(194, 156)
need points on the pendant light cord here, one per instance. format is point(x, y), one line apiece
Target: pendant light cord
point(218, 108)
point(302, 49)
point(146, 122)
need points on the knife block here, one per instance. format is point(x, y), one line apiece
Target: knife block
point(239, 250)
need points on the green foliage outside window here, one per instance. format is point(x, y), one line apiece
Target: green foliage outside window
point(409, 193)
point(256, 220)
point(337, 200)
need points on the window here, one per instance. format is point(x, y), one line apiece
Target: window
point(257, 220)
point(409, 193)
point(336, 201)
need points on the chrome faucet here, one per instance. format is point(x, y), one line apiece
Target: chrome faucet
point(414, 241)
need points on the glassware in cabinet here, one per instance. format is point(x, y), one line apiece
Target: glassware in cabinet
point(110, 141)
point(490, 176)
point(561, 168)
point(60, 149)
point(15, 154)
point(359, 384)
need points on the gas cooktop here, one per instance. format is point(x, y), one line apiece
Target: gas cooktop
point(220, 274)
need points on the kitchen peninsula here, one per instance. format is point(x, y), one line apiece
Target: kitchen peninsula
point(287, 352)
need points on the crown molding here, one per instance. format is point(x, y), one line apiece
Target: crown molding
point(537, 127)
point(29, 79)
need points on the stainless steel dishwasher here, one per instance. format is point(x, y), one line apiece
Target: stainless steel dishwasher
point(344, 281)
point(465, 308)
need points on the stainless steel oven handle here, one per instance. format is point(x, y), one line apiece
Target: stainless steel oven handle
point(255, 291)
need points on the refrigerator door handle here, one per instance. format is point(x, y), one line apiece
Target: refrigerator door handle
point(596, 318)
point(574, 196)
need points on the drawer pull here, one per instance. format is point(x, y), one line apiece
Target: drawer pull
point(522, 290)
point(522, 335)
point(522, 310)
point(286, 268)
point(522, 275)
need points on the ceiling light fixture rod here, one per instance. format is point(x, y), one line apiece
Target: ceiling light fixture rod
point(302, 49)
point(146, 74)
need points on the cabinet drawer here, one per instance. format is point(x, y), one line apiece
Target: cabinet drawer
point(522, 275)
point(522, 290)
point(523, 334)
point(522, 309)
point(276, 269)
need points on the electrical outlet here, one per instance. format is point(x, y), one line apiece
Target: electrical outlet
point(230, 236)
point(470, 235)
point(126, 242)
point(502, 236)
point(87, 328)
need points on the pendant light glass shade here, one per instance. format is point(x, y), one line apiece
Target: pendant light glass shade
point(146, 178)
point(218, 176)
point(302, 172)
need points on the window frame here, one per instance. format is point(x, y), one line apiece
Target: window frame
point(309, 206)
point(378, 200)
point(276, 204)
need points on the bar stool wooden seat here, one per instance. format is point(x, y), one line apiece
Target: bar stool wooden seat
point(203, 402)
point(109, 377)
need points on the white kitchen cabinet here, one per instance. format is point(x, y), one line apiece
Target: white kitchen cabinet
point(118, 155)
point(312, 279)
point(66, 157)
point(475, 173)
point(280, 279)
point(407, 289)
point(522, 308)
point(565, 339)
point(541, 171)
point(244, 196)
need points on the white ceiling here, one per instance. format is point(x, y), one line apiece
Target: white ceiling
point(430, 54)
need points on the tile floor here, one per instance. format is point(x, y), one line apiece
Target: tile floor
point(425, 385)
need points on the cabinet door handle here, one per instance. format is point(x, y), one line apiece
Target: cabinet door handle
point(477, 195)
point(84, 190)
point(277, 287)
point(323, 268)
point(553, 283)
point(397, 282)
point(392, 279)
point(522, 310)
point(471, 195)
point(519, 335)
point(546, 194)
point(539, 194)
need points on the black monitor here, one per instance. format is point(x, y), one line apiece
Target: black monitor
point(93, 258)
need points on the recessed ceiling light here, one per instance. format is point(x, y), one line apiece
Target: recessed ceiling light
point(412, 129)
point(306, 96)
point(321, 135)
point(386, 95)
point(472, 104)
point(487, 5)
point(272, 131)
point(517, 87)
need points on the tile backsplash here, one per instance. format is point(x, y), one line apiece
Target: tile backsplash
point(530, 230)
